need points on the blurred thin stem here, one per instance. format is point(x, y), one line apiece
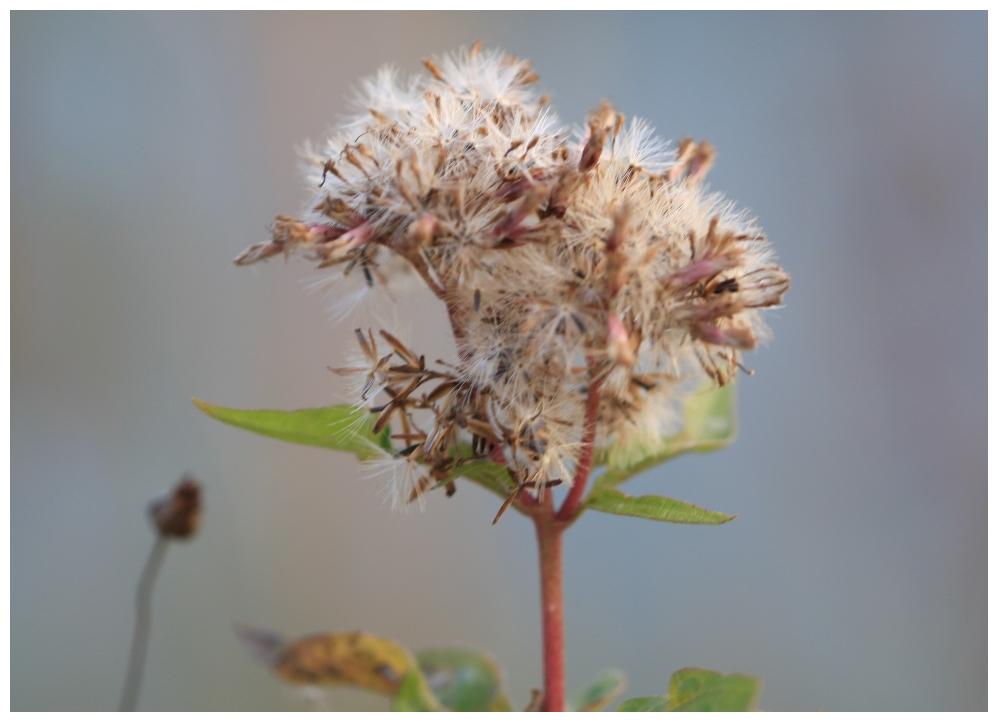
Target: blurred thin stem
point(140, 630)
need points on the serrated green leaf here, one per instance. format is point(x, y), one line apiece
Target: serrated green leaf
point(657, 508)
point(339, 427)
point(414, 695)
point(600, 693)
point(463, 680)
point(645, 704)
point(709, 424)
point(697, 690)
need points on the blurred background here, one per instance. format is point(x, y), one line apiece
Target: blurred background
point(148, 149)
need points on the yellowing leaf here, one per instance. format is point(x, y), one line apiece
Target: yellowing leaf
point(339, 658)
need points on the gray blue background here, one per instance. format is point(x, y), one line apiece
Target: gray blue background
point(148, 149)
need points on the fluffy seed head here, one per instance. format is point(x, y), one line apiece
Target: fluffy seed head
point(565, 260)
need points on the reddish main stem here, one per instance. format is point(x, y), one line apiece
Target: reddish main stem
point(549, 527)
point(549, 534)
point(583, 465)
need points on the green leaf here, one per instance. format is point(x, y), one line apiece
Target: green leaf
point(463, 680)
point(491, 476)
point(340, 427)
point(645, 704)
point(696, 690)
point(346, 428)
point(414, 695)
point(657, 508)
point(709, 424)
point(600, 693)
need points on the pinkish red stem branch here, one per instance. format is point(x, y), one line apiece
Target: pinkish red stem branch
point(583, 466)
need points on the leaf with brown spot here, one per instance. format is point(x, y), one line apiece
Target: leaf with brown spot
point(345, 658)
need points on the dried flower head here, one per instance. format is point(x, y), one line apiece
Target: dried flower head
point(589, 278)
point(176, 515)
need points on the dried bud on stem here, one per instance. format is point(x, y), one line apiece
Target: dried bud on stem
point(177, 514)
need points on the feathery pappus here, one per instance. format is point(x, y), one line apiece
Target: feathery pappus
point(590, 279)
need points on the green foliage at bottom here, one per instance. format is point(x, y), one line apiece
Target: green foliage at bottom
point(601, 693)
point(415, 696)
point(464, 680)
point(697, 690)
